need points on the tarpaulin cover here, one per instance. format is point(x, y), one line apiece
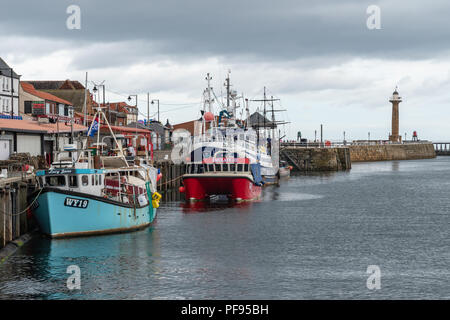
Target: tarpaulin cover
point(256, 172)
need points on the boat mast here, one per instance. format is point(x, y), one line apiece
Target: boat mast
point(209, 100)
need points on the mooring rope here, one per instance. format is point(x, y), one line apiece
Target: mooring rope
point(24, 210)
point(171, 180)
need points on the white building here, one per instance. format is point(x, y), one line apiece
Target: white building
point(9, 90)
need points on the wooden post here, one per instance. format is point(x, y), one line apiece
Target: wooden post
point(2, 218)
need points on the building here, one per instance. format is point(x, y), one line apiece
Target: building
point(35, 137)
point(120, 113)
point(69, 90)
point(160, 134)
point(36, 103)
point(9, 90)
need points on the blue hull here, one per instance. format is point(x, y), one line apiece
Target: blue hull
point(96, 216)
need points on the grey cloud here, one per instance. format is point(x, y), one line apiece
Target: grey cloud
point(266, 30)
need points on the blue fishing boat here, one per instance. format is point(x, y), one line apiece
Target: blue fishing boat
point(95, 195)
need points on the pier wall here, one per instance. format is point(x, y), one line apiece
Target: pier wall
point(13, 202)
point(363, 153)
point(317, 159)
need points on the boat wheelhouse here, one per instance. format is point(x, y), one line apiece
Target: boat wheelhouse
point(225, 159)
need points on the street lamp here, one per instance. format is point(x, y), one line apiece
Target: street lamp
point(95, 91)
point(136, 97)
point(153, 102)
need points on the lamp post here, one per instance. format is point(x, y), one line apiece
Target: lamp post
point(12, 90)
point(136, 97)
point(153, 102)
point(95, 90)
point(129, 99)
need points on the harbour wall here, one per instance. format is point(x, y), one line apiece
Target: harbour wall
point(317, 159)
point(408, 151)
point(14, 221)
point(306, 159)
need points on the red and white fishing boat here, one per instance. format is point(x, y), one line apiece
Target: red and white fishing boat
point(225, 157)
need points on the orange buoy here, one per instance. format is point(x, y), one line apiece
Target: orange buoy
point(209, 116)
point(181, 189)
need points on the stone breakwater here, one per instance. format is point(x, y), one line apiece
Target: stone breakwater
point(388, 152)
point(317, 159)
point(341, 158)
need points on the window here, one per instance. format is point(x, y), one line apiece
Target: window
point(100, 180)
point(73, 181)
point(55, 181)
point(225, 167)
point(246, 167)
point(93, 181)
point(239, 167)
point(85, 180)
point(218, 167)
point(28, 108)
point(96, 180)
point(232, 167)
point(210, 167)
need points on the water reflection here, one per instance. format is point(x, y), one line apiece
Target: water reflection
point(102, 260)
point(215, 205)
point(310, 238)
point(395, 165)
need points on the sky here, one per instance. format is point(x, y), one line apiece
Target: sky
point(318, 57)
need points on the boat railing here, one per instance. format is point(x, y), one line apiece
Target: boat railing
point(128, 196)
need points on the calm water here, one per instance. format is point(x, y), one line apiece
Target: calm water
point(311, 238)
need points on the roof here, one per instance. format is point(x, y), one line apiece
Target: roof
point(258, 120)
point(29, 88)
point(3, 66)
point(69, 90)
point(189, 126)
point(56, 84)
point(36, 127)
point(153, 126)
point(119, 106)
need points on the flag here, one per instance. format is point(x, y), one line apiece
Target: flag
point(94, 127)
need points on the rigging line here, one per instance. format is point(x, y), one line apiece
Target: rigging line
point(161, 103)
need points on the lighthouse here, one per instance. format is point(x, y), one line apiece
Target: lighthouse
point(395, 100)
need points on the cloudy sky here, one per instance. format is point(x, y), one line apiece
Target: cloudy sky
point(318, 57)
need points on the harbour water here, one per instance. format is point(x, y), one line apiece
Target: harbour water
point(313, 237)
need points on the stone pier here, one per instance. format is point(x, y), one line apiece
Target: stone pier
point(317, 159)
point(408, 151)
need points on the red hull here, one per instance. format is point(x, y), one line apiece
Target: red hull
point(199, 187)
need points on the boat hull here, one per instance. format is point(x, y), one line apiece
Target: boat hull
point(60, 215)
point(200, 187)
